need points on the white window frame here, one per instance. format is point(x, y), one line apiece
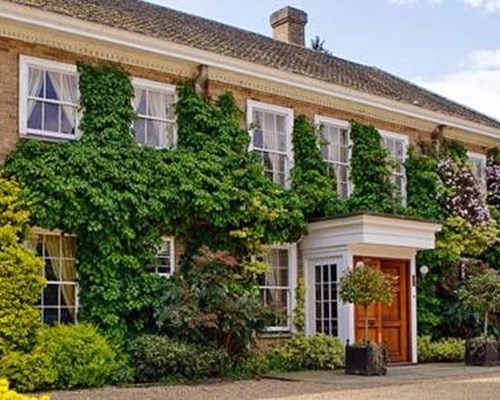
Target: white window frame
point(139, 83)
point(25, 62)
point(478, 156)
point(288, 113)
point(319, 120)
point(43, 232)
point(406, 142)
point(171, 241)
point(292, 285)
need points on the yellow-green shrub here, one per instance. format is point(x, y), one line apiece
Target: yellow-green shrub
point(28, 372)
point(7, 394)
point(20, 274)
point(443, 350)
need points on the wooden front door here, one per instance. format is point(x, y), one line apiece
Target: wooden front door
point(388, 324)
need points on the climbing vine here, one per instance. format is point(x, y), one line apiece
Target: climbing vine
point(312, 179)
point(371, 172)
point(119, 198)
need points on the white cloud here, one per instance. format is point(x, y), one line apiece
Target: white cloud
point(476, 84)
point(488, 5)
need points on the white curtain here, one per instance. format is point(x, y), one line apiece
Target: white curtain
point(157, 108)
point(269, 126)
point(66, 89)
point(35, 83)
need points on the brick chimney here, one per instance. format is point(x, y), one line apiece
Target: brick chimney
point(288, 25)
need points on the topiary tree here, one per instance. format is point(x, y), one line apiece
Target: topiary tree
point(365, 286)
point(481, 293)
point(20, 274)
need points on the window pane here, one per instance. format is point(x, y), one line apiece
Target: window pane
point(68, 120)
point(154, 132)
point(51, 295)
point(67, 315)
point(53, 85)
point(68, 295)
point(52, 270)
point(51, 117)
point(35, 115)
point(70, 88)
point(50, 316)
point(36, 84)
point(258, 140)
point(140, 101)
point(140, 131)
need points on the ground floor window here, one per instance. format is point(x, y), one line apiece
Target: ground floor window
point(275, 287)
point(326, 298)
point(58, 301)
point(165, 257)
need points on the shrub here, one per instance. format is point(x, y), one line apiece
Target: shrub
point(20, 280)
point(7, 394)
point(158, 358)
point(28, 372)
point(79, 355)
point(444, 350)
point(300, 352)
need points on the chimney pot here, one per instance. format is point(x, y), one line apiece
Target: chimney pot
point(288, 25)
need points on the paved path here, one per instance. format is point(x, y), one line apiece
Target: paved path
point(447, 382)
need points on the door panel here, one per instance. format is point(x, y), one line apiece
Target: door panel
point(388, 323)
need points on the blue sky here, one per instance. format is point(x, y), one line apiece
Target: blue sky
point(449, 46)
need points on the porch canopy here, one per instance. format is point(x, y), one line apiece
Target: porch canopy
point(360, 232)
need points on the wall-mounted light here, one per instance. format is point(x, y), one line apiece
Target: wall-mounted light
point(424, 270)
point(360, 264)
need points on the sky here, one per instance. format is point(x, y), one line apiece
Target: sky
point(449, 46)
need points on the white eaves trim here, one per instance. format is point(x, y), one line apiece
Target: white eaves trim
point(68, 25)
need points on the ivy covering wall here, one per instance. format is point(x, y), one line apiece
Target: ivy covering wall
point(119, 198)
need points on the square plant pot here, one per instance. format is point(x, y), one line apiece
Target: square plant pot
point(482, 353)
point(368, 360)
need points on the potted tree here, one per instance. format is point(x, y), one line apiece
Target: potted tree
point(365, 286)
point(481, 293)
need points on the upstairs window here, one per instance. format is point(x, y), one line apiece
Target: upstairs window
point(165, 258)
point(477, 163)
point(155, 105)
point(335, 149)
point(58, 301)
point(271, 130)
point(397, 146)
point(48, 99)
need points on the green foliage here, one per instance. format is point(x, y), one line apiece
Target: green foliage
point(213, 300)
point(444, 350)
point(118, 198)
point(423, 186)
point(317, 352)
point(28, 372)
point(20, 280)
point(312, 179)
point(80, 356)
point(481, 293)
point(160, 359)
point(371, 172)
point(299, 313)
point(65, 357)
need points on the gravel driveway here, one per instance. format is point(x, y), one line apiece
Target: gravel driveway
point(484, 386)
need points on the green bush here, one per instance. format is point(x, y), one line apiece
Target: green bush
point(28, 372)
point(443, 350)
point(159, 358)
point(20, 279)
point(80, 355)
point(300, 352)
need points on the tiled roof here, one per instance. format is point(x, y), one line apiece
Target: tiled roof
point(175, 26)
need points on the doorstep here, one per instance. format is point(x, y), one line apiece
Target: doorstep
point(396, 375)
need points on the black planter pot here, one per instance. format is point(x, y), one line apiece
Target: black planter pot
point(368, 360)
point(482, 353)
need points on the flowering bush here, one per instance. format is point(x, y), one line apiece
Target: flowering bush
point(463, 197)
point(493, 178)
point(6, 394)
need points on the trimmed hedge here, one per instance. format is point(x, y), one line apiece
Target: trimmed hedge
point(160, 359)
point(443, 350)
point(64, 357)
point(320, 351)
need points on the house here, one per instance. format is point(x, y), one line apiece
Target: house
point(272, 79)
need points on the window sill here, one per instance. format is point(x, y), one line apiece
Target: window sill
point(275, 335)
point(47, 137)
